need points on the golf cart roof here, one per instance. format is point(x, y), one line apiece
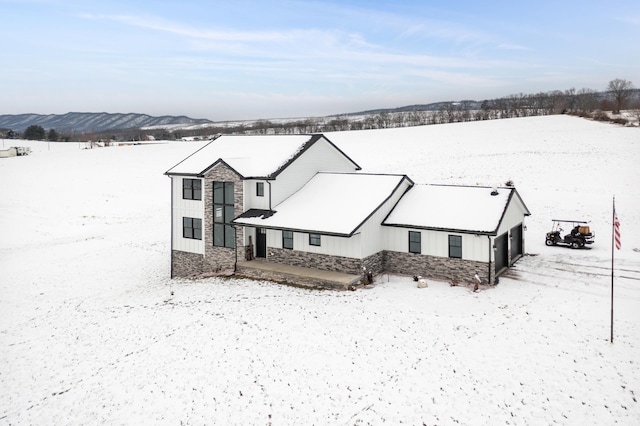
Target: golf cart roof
point(570, 221)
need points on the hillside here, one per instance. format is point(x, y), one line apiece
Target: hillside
point(81, 122)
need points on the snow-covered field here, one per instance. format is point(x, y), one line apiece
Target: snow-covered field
point(90, 333)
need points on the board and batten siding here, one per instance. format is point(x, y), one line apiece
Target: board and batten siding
point(372, 233)
point(251, 199)
point(513, 216)
point(185, 208)
point(321, 156)
point(329, 245)
point(436, 243)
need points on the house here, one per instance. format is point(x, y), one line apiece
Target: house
point(230, 176)
point(298, 201)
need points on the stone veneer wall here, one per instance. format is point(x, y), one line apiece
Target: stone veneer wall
point(349, 265)
point(305, 259)
point(444, 268)
point(185, 264)
point(217, 259)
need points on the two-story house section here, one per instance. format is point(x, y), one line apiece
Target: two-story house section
point(230, 176)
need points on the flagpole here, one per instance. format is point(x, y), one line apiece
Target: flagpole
point(613, 224)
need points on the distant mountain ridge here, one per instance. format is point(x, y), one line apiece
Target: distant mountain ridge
point(84, 122)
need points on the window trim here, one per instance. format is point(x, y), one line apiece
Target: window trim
point(188, 185)
point(285, 238)
point(412, 243)
point(190, 230)
point(455, 238)
point(315, 240)
point(259, 189)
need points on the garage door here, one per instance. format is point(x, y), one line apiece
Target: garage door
point(516, 243)
point(502, 253)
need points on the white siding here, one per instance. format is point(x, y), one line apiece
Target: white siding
point(513, 216)
point(334, 246)
point(436, 243)
point(251, 199)
point(322, 156)
point(372, 233)
point(185, 208)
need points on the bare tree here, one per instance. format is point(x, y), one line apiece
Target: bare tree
point(621, 90)
point(587, 100)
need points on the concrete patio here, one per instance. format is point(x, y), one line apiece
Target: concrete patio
point(296, 275)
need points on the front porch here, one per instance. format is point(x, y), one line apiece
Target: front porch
point(296, 275)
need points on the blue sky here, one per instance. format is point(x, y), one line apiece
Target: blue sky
point(228, 60)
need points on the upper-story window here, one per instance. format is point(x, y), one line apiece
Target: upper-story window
point(260, 189)
point(191, 189)
point(224, 234)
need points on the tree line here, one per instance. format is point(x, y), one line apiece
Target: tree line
point(620, 94)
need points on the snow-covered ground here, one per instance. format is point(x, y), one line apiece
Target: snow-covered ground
point(90, 333)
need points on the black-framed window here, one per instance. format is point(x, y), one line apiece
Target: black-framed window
point(192, 228)
point(224, 234)
point(260, 189)
point(314, 239)
point(455, 246)
point(415, 242)
point(191, 189)
point(287, 239)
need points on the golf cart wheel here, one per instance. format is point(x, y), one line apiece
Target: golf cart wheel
point(575, 244)
point(549, 242)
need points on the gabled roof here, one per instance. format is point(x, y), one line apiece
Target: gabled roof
point(329, 204)
point(250, 156)
point(464, 209)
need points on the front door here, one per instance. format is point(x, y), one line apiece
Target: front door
point(261, 242)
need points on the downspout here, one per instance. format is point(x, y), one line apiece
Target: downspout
point(171, 188)
point(269, 183)
point(490, 251)
point(235, 238)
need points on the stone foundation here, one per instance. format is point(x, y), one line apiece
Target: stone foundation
point(305, 259)
point(442, 268)
point(348, 265)
point(185, 265)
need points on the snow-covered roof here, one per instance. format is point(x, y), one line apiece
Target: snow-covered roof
point(250, 156)
point(454, 208)
point(330, 203)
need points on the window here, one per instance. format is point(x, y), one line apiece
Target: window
point(287, 239)
point(192, 228)
point(314, 239)
point(191, 189)
point(455, 246)
point(223, 213)
point(260, 189)
point(415, 243)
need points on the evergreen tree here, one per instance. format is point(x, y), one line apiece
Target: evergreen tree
point(34, 132)
point(52, 135)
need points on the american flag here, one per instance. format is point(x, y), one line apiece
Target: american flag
point(616, 230)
